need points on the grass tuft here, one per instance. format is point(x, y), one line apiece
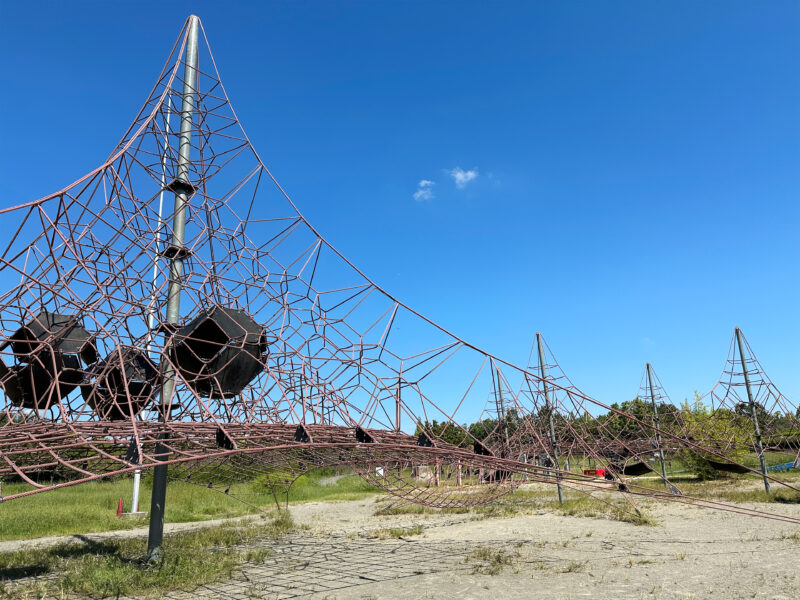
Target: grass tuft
point(397, 532)
point(416, 509)
point(573, 567)
point(792, 537)
point(490, 561)
point(586, 506)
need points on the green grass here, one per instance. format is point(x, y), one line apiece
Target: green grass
point(530, 501)
point(401, 508)
point(573, 567)
point(615, 510)
point(116, 567)
point(733, 488)
point(793, 536)
point(580, 505)
point(397, 532)
point(91, 507)
point(781, 495)
point(307, 488)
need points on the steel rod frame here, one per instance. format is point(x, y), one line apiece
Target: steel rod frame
point(753, 411)
point(182, 188)
point(655, 423)
point(346, 373)
point(550, 415)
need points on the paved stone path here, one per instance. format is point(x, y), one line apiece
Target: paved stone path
point(139, 532)
point(333, 566)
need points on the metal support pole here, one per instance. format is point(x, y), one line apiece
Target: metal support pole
point(549, 409)
point(182, 188)
point(315, 397)
point(397, 402)
point(753, 413)
point(137, 480)
point(501, 413)
point(655, 423)
point(302, 394)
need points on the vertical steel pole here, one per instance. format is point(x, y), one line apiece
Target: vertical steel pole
point(501, 411)
point(549, 409)
point(302, 391)
point(315, 397)
point(753, 413)
point(397, 402)
point(655, 423)
point(182, 192)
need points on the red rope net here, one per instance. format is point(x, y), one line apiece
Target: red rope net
point(286, 357)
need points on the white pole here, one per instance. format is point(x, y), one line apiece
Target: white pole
point(151, 317)
point(137, 478)
point(137, 474)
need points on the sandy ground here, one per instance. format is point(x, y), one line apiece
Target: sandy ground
point(340, 552)
point(691, 553)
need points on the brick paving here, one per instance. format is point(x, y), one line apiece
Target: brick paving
point(304, 565)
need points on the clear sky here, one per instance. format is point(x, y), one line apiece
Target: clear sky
point(621, 176)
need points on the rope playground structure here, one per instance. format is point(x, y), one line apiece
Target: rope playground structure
point(173, 310)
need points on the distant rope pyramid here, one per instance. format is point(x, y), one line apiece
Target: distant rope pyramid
point(749, 413)
point(173, 307)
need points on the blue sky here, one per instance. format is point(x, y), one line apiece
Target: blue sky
point(635, 166)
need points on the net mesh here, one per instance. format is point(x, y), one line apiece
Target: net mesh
point(286, 357)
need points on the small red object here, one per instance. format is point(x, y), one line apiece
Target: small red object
point(119, 507)
point(601, 473)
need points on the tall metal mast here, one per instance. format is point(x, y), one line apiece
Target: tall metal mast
point(501, 411)
point(398, 401)
point(753, 413)
point(655, 422)
point(549, 409)
point(183, 190)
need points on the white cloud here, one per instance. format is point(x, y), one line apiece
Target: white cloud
point(424, 190)
point(462, 177)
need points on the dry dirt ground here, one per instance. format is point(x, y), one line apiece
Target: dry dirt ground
point(343, 551)
point(690, 553)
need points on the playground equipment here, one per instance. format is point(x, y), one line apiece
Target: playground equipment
point(238, 343)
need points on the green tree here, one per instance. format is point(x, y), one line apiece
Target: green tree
point(726, 432)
